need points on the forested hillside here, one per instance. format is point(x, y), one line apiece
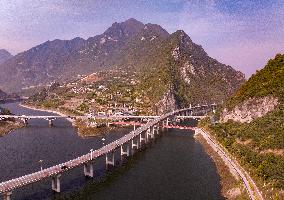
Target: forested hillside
point(258, 144)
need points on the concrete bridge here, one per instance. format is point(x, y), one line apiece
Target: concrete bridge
point(50, 119)
point(125, 145)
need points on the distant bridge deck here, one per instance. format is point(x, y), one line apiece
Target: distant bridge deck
point(111, 117)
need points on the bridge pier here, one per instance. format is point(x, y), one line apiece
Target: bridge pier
point(167, 121)
point(155, 130)
point(7, 195)
point(50, 122)
point(25, 120)
point(148, 132)
point(134, 145)
point(142, 139)
point(55, 183)
point(124, 152)
point(158, 129)
point(109, 162)
point(152, 134)
point(88, 169)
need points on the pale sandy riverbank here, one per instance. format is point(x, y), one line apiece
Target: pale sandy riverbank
point(47, 110)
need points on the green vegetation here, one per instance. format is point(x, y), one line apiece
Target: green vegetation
point(85, 130)
point(7, 125)
point(259, 145)
point(251, 144)
point(269, 81)
point(83, 107)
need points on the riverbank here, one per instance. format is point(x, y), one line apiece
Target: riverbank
point(232, 164)
point(60, 113)
point(232, 187)
point(83, 129)
point(7, 126)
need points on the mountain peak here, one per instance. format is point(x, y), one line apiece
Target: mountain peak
point(4, 55)
point(181, 35)
point(126, 28)
point(132, 21)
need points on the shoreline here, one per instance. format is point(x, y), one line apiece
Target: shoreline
point(73, 122)
point(10, 127)
point(233, 165)
point(231, 185)
point(46, 110)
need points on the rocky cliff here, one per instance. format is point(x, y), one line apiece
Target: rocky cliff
point(261, 94)
point(250, 109)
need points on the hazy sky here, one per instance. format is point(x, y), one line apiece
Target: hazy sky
point(241, 33)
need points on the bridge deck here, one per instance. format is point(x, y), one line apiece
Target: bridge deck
point(57, 169)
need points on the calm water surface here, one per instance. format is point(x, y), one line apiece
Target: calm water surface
point(175, 167)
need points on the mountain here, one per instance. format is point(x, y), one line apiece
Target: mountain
point(4, 55)
point(251, 126)
point(4, 97)
point(2, 94)
point(169, 66)
point(183, 70)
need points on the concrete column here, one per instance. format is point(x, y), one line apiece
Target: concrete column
point(55, 182)
point(134, 127)
point(50, 122)
point(147, 134)
point(167, 121)
point(134, 145)
point(109, 162)
point(25, 120)
point(122, 152)
point(153, 132)
point(142, 139)
point(7, 195)
point(88, 170)
point(157, 129)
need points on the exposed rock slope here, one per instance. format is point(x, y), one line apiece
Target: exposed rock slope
point(261, 94)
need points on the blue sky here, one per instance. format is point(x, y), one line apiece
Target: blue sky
point(241, 33)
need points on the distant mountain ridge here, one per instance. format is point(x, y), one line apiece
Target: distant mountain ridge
point(180, 66)
point(4, 97)
point(4, 55)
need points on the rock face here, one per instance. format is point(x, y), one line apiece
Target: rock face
point(167, 103)
point(202, 78)
point(4, 55)
point(250, 110)
point(261, 94)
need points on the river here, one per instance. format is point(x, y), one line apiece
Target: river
point(174, 167)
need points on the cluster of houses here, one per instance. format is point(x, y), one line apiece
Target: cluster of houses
point(104, 100)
